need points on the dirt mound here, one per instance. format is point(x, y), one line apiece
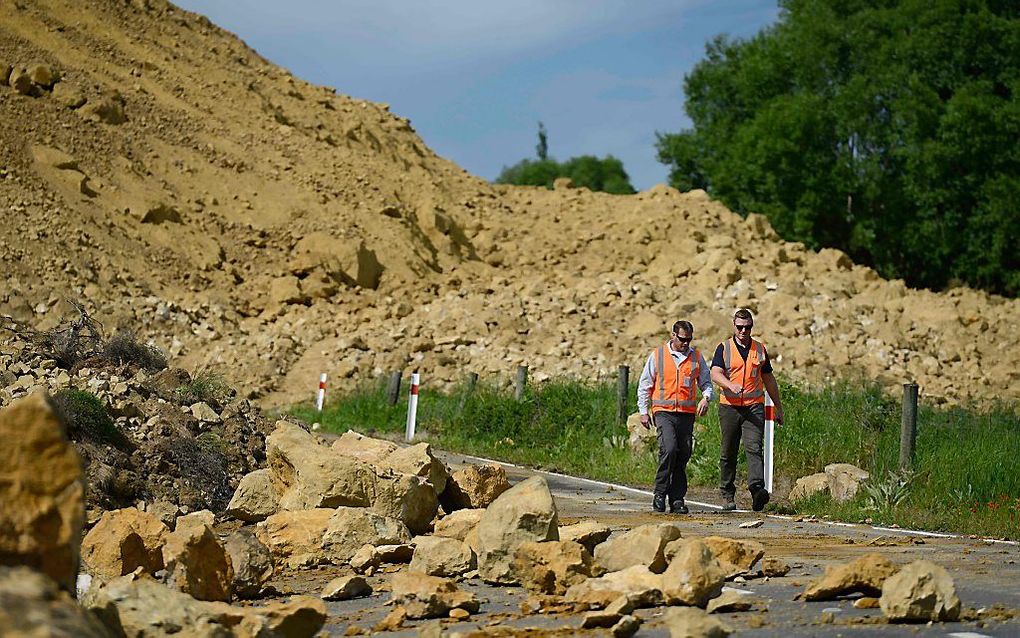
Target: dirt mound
point(249, 222)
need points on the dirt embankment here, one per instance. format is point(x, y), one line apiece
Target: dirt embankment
point(250, 222)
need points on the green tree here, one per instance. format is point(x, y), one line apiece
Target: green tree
point(884, 128)
point(598, 174)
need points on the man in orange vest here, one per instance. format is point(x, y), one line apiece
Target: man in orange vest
point(667, 389)
point(741, 367)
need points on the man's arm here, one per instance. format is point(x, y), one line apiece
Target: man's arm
point(644, 388)
point(705, 383)
point(769, 380)
point(720, 379)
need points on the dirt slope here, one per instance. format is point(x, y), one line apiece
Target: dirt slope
point(253, 223)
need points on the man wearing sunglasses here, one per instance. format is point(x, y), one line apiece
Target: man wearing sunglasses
point(741, 367)
point(667, 387)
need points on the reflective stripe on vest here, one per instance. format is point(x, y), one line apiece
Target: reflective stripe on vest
point(674, 385)
point(746, 372)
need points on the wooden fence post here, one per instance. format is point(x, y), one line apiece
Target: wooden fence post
point(520, 382)
point(393, 389)
point(908, 426)
point(622, 387)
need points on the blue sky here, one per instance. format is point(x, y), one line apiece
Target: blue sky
point(476, 77)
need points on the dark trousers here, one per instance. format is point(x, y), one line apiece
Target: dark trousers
point(676, 437)
point(747, 424)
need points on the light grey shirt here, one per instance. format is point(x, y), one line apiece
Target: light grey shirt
point(644, 389)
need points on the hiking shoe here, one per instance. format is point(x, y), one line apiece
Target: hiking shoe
point(659, 503)
point(759, 499)
point(729, 505)
point(678, 507)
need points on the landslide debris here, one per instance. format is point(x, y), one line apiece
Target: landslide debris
point(260, 225)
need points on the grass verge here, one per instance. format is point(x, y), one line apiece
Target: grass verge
point(964, 478)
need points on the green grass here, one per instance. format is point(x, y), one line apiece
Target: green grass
point(965, 476)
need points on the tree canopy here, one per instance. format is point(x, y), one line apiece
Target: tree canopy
point(606, 174)
point(884, 128)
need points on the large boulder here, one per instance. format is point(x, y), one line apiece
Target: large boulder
point(122, 541)
point(639, 438)
point(363, 448)
point(920, 592)
point(255, 498)
point(439, 556)
point(636, 582)
point(476, 486)
point(295, 538)
point(524, 513)
point(424, 596)
point(588, 533)
point(308, 475)
point(864, 575)
point(694, 576)
point(408, 498)
point(844, 480)
point(458, 524)
point(252, 562)
point(31, 604)
point(551, 567)
point(808, 486)
point(144, 608)
point(735, 556)
point(643, 545)
point(418, 460)
point(42, 491)
point(352, 527)
point(196, 563)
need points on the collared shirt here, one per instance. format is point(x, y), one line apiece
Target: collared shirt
point(647, 380)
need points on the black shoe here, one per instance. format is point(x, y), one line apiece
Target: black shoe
point(729, 504)
point(759, 499)
point(678, 507)
point(659, 503)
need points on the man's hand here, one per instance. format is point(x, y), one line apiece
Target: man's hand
point(645, 421)
point(703, 407)
point(778, 413)
point(736, 388)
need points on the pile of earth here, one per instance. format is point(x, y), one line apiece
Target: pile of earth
point(157, 169)
point(161, 440)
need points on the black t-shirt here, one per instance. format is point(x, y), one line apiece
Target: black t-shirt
point(718, 361)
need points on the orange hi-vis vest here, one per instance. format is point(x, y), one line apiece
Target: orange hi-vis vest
point(746, 373)
point(674, 387)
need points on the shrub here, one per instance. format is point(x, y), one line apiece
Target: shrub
point(125, 349)
point(87, 419)
point(204, 386)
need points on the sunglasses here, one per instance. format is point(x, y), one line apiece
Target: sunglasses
point(740, 328)
point(683, 339)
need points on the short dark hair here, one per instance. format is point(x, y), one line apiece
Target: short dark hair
point(743, 313)
point(683, 325)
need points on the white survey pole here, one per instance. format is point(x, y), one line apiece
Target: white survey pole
point(769, 448)
point(322, 392)
point(412, 408)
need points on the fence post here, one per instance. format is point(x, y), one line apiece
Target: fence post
point(469, 388)
point(393, 389)
point(520, 382)
point(622, 386)
point(908, 426)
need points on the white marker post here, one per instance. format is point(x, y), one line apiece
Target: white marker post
point(322, 392)
point(768, 452)
point(412, 408)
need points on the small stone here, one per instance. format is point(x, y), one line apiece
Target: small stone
point(346, 588)
point(459, 614)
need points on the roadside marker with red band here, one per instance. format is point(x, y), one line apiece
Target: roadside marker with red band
point(770, 427)
point(322, 392)
point(412, 407)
